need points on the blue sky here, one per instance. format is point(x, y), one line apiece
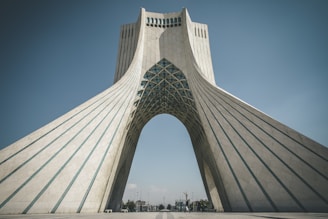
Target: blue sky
point(272, 54)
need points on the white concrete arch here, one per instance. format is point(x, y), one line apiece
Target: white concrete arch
point(80, 162)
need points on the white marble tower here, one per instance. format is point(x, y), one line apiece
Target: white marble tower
point(80, 162)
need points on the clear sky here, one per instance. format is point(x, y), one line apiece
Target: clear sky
point(54, 55)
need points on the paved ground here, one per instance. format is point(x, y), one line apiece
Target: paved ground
point(171, 215)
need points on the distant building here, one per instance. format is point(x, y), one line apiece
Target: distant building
point(142, 206)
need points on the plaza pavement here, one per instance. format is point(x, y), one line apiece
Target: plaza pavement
point(171, 215)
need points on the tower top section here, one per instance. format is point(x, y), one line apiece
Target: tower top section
point(172, 36)
point(164, 20)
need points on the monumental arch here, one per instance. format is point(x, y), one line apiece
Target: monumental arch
point(80, 162)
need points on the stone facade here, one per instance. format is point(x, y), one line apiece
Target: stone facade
point(80, 162)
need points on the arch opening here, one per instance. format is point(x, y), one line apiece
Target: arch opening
point(164, 90)
point(164, 166)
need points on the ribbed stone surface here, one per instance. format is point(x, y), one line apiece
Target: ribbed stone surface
point(80, 162)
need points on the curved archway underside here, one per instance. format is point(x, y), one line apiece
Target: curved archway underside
point(164, 89)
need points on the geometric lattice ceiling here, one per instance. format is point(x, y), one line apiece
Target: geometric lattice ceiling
point(165, 90)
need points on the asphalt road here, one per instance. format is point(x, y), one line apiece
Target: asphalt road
point(171, 215)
